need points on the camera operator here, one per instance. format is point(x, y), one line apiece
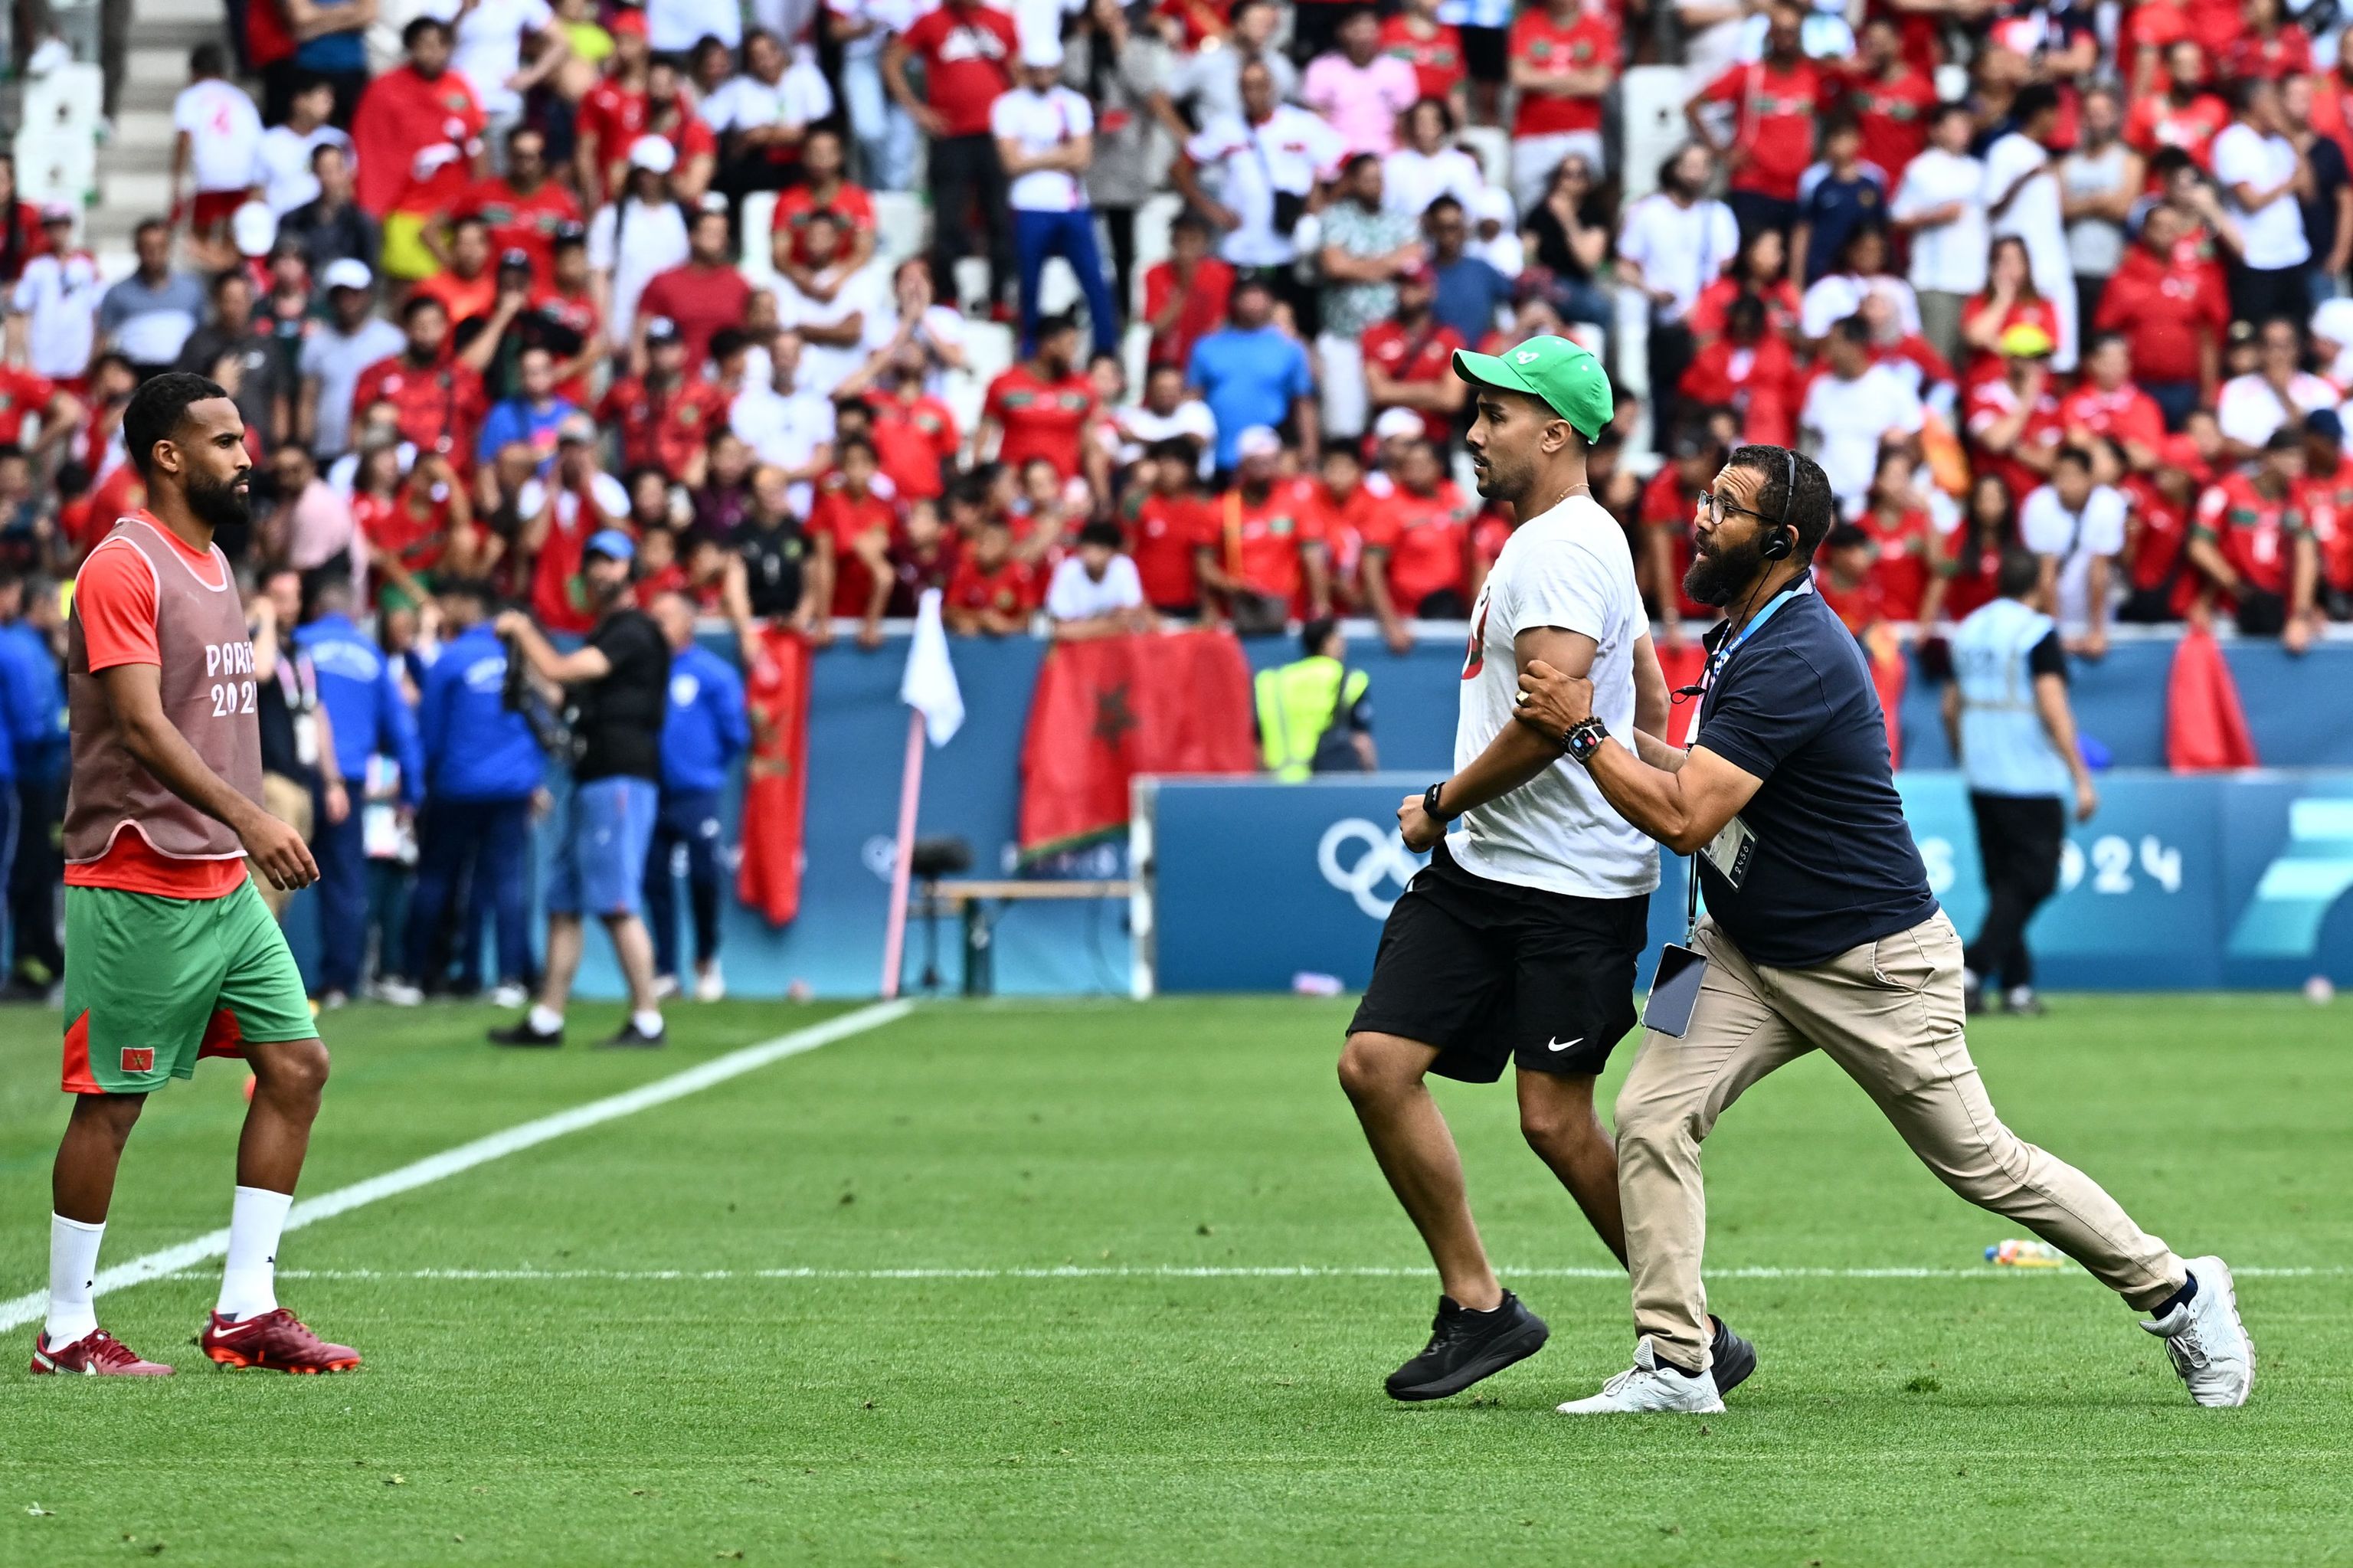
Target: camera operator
point(617, 686)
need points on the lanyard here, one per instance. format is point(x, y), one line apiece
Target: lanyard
point(1715, 663)
point(1723, 655)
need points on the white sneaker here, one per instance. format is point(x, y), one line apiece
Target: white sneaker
point(1646, 1388)
point(398, 992)
point(665, 987)
point(709, 985)
point(510, 996)
point(2206, 1341)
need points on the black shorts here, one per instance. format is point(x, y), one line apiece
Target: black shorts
point(1485, 57)
point(1490, 973)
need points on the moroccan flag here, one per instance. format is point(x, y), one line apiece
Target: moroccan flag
point(1112, 708)
point(1682, 666)
point(2205, 728)
point(775, 776)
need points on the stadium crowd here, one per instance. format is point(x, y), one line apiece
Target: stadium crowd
point(482, 277)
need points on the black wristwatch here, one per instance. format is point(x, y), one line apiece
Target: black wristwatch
point(1430, 807)
point(1583, 738)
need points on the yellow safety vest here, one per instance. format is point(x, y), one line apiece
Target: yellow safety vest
point(1297, 702)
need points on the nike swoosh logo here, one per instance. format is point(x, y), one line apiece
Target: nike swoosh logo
point(1563, 1044)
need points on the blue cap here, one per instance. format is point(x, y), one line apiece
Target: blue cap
point(2325, 423)
point(612, 544)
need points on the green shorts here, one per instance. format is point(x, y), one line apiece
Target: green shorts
point(154, 983)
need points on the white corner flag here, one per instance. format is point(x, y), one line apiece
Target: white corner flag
point(929, 686)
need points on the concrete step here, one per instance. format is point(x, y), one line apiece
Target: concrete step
point(145, 192)
point(150, 67)
point(190, 13)
point(141, 132)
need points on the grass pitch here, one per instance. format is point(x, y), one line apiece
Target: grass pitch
point(584, 1353)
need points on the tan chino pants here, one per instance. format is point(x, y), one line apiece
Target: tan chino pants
point(288, 801)
point(1889, 1014)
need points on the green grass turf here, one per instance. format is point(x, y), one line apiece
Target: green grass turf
point(1996, 1417)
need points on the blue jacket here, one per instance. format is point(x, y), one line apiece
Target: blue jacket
point(474, 748)
point(32, 704)
point(365, 707)
point(707, 729)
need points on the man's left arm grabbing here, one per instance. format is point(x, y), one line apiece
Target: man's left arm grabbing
point(1682, 798)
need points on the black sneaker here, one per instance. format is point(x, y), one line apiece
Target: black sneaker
point(1730, 1357)
point(1466, 1346)
point(520, 1032)
point(630, 1038)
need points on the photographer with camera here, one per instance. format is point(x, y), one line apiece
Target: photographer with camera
point(617, 685)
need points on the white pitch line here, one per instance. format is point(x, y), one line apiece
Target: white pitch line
point(31, 1307)
point(1185, 1271)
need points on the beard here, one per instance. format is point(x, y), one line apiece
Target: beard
point(219, 506)
point(1498, 482)
point(1716, 575)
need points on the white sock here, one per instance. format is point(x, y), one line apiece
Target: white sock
point(545, 1020)
point(73, 1269)
point(647, 1022)
point(249, 1279)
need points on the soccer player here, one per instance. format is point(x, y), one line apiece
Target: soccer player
point(172, 954)
point(1821, 934)
point(1518, 941)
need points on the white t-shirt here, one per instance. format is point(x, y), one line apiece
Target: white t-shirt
point(58, 297)
point(651, 240)
point(784, 429)
point(744, 102)
point(335, 362)
point(1949, 259)
point(2272, 233)
point(490, 45)
point(1294, 146)
point(1839, 295)
point(1568, 568)
point(1410, 181)
point(2046, 527)
point(1680, 248)
point(1848, 419)
point(888, 16)
point(224, 133)
point(611, 500)
point(2248, 410)
point(1074, 596)
point(287, 182)
point(2033, 214)
point(1039, 122)
point(1140, 427)
point(864, 293)
point(674, 26)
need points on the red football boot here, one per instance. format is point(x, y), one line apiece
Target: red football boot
point(96, 1354)
point(274, 1341)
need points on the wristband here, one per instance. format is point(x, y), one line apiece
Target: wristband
point(1583, 738)
point(1430, 807)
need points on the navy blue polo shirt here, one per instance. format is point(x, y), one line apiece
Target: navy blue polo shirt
point(1833, 866)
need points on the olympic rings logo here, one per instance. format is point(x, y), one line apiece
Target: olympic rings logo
point(1382, 859)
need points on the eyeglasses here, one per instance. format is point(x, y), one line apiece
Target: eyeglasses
point(1715, 506)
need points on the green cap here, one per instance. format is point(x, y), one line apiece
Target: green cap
point(1569, 379)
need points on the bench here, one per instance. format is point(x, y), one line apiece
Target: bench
point(981, 903)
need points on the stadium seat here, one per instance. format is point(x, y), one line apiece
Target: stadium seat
point(902, 225)
point(759, 214)
point(1652, 97)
